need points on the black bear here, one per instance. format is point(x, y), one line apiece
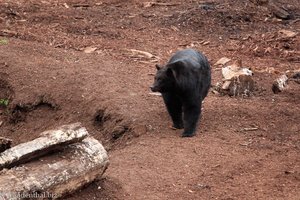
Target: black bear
point(184, 82)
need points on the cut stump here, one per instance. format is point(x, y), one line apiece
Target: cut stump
point(242, 85)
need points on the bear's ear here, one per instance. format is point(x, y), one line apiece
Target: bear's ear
point(170, 72)
point(177, 69)
point(158, 67)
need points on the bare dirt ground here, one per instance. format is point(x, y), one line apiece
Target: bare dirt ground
point(50, 79)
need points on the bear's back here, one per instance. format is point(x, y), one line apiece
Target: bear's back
point(192, 58)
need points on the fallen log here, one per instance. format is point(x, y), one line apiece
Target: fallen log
point(49, 141)
point(55, 175)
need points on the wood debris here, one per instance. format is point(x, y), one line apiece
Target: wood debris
point(235, 70)
point(250, 129)
point(150, 4)
point(280, 84)
point(237, 80)
point(155, 93)
point(142, 55)
point(222, 61)
point(286, 34)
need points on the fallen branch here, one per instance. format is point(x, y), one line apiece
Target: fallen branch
point(250, 129)
point(150, 4)
point(144, 53)
point(222, 61)
point(155, 93)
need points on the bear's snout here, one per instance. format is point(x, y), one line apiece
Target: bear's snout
point(153, 88)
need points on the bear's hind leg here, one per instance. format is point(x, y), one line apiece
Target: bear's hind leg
point(174, 107)
point(191, 116)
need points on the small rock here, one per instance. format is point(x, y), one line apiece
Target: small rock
point(89, 49)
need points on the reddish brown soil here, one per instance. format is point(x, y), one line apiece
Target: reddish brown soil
point(50, 81)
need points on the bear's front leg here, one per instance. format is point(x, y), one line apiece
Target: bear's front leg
point(174, 107)
point(191, 115)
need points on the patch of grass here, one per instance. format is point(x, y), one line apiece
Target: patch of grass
point(3, 41)
point(4, 102)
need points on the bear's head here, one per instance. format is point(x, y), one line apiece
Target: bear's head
point(164, 79)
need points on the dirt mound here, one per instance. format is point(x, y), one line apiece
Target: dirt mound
point(18, 112)
point(114, 128)
point(35, 104)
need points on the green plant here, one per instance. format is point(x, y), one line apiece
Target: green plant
point(3, 41)
point(4, 102)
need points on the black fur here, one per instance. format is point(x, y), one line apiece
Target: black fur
point(184, 83)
